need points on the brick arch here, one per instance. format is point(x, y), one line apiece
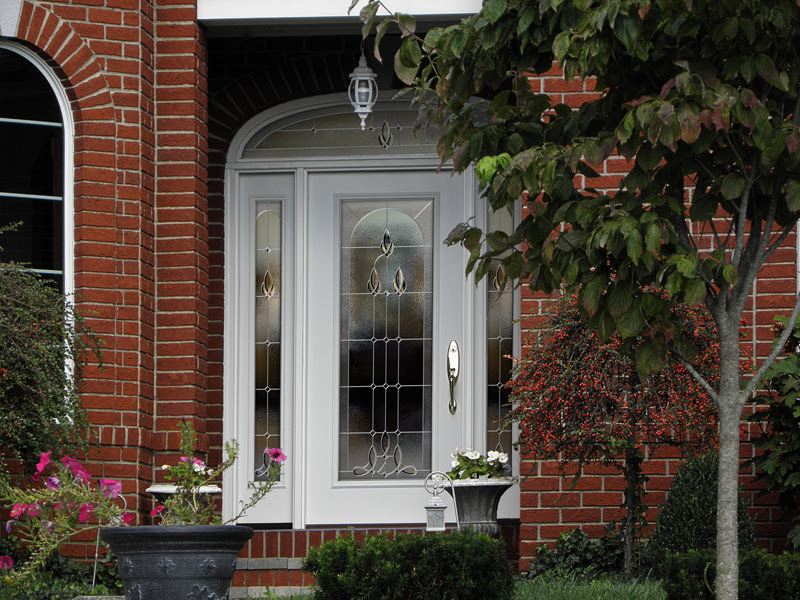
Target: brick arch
point(112, 227)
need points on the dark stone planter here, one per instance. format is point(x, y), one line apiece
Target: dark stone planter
point(192, 562)
point(477, 500)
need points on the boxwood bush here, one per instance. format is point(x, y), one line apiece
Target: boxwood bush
point(412, 567)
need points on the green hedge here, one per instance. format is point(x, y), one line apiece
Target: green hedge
point(762, 576)
point(412, 567)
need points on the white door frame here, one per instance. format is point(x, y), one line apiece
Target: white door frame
point(237, 352)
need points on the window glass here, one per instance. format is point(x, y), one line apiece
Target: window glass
point(31, 168)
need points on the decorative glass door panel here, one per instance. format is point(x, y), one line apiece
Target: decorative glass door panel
point(386, 285)
point(385, 299)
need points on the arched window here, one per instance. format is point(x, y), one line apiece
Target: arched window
point(33, 190)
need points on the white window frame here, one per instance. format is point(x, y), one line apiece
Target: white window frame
point(68, 198)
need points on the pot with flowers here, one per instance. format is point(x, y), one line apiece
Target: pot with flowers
point(477, 483)
point(191, 554)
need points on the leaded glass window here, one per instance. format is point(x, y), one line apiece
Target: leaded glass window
point(386, 327)
point(267, 286)
point(500, 344)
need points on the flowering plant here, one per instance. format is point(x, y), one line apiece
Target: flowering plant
point(189, 505)
point(469, 464)
point(60, 502)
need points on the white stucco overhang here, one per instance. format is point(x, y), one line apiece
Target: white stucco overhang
point(307, 16)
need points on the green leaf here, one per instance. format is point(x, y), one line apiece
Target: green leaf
point(649, 359)
point(591, 293)
point(367, 17)
point(410, 53)
point(407, 24)
point(458, 42)
point(619, 298)
point(703, 207)
point(732, 186)
point(633, 242)
point(652, 239)
point(631, 323)
point(561, 45)
point(380, 31)
point(730, 274)
point(694, 292)
point(494, 9)
point(766, 68)
point(793, 195)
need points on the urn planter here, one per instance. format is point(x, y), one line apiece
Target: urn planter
point(477, 500)
point(191, 562)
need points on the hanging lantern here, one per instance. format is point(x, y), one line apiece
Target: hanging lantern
point(363, 90)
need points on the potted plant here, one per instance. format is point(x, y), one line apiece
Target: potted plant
point(190, 554)
point(476, 484)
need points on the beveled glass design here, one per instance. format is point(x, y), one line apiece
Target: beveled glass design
point(268, 331)
point(500, 344)
point(386, 307)
point(390, 131)
point(31, 168)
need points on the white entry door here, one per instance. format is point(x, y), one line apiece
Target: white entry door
point(385, 298)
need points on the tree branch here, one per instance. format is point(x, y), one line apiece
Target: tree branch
point(697, 376)
point(776, 350)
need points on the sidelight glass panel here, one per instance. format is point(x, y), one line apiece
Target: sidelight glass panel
point(500, 340)
point(385, 348)
point(267, 287)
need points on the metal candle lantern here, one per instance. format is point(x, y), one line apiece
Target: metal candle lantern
point(434, 485)
point(363, 90)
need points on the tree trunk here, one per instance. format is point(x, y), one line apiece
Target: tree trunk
point(727, 580)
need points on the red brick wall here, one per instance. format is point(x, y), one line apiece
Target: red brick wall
point(98, 50)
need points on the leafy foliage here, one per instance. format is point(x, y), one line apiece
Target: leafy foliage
point(52, 509)
point(699, 96)
point(578, 399)
point(411, 567)
point(42, 336)
point(189, 505)
point(688, 518)
point(779, 460)
point(578, 557)
point(762, 576)
point(468, 463)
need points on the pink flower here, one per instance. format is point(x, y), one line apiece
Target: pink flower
point(276, 454)
point(34, 510)
point(6, 562)
point(156, 511)
point(85, 512)
point(127, 518)
point(78, 472)
point(53, 483)
point(110, 487)
point(44, 460)
point(19, 509)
